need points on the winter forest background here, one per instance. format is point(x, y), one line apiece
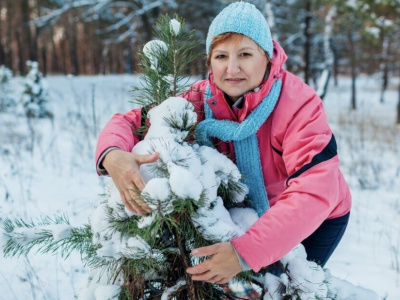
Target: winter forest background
point(87, 52)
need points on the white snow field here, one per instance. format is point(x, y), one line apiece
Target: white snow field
point(48, 168)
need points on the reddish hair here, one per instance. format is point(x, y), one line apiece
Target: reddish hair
point(219, 39)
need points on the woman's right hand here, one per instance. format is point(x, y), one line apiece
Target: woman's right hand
point(123, 167)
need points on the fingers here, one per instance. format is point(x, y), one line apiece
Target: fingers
point(205, 251)
point(145, 159)
point(138, 181)
point(142, 159)
point(222, 265)
point(218, 280)
point(199, 269)
point(204, 273)
point(138, 207)
point(201, 272)
point(222, 281)
point(124, 169)
point(135, 203)
point(127, 204)
point(135, 200)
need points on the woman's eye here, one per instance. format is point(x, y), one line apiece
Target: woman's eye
point(245, 54)
point(220, 56)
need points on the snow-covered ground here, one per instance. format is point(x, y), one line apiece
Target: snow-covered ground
point(48, 168)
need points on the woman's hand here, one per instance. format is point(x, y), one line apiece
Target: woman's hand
point(222, 265)
point(123, 167)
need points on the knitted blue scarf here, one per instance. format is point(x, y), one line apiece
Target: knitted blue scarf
point(244, 137)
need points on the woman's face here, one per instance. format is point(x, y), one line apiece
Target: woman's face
point(238, 65)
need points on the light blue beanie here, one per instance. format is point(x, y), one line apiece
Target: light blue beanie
point(244, 18)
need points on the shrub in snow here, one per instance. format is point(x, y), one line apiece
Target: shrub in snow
point(7, 99)
point(35, 96)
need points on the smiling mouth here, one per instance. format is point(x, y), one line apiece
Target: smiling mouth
point(234, 80)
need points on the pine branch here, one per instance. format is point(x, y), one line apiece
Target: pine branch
point(172, 55)
point(46, 236)
point(227, 191)
point(126, 226)
point(182, 125)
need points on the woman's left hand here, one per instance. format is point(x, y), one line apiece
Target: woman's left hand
point(222, 265)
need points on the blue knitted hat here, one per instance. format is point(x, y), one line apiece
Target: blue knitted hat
point(243, 18)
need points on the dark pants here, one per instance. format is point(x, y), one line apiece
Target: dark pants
point(321, 244)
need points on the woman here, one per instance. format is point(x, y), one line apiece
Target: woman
point(274, 127)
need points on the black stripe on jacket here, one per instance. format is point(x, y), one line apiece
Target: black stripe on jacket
point(327, 153)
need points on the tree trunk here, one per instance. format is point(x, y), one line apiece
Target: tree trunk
point(385, 79)
point(104, 57)
point(147, 27)
point(398, 103)
point(353, 89)
point(73, 51)
point(55, 61)
point(384, 67)
point(269, 13)
point(63, 51)
point(2, 52)
point(323, 81)
point(26, 38)
point(335, 65)
point(20, 53)
point(44, 60)
point(307, 45)
point(8, 38)
point(353, 66)
point(34, 46)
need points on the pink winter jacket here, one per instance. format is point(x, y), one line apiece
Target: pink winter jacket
point(298, 156)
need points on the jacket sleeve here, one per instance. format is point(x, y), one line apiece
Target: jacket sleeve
point(312, 188)
point(118, 133)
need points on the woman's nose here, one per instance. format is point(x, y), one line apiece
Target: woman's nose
point(233, 66)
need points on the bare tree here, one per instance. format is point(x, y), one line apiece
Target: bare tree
point(398, 103)
point(2, 53)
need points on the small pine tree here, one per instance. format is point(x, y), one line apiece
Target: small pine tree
point(35, 95)
point(135, 257)
point(7, 100)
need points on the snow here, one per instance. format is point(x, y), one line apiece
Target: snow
point(184, 183)
point(97, 289)
point(53, 172)
point(175, 26)
point(309, 281)
point(243, 217)
point(216, 223)
point(136, 247)
point(159, 190)
point(153, 48)
point(107, 292)
point(26, 235)
point(159, 115)
point(169, 291)
point(60, 231)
